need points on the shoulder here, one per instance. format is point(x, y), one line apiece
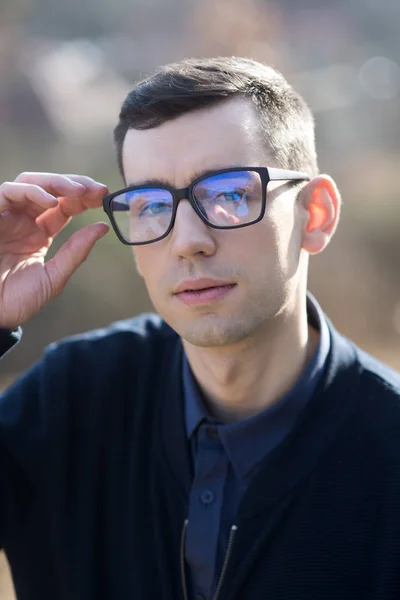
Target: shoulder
point(106, 380)
point(377, 417)
point(124, 343)
point(361, 370)
point(144, 329)
point(378, 377)
point(370, 395)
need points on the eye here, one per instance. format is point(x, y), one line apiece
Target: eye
point(154, 208)
point(235, 196)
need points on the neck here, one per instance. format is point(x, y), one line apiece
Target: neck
point(243, 380)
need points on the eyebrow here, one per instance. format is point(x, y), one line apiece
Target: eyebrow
point(154, 181)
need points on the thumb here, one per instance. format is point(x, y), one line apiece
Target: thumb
point(72, 254)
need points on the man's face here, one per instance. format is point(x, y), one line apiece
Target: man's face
point(260, 262)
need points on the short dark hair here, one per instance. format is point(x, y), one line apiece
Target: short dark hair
point(286, 122)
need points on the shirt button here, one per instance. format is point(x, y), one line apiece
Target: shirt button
point(207, 497)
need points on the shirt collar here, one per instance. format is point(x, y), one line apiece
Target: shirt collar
point(195, 411)
point(248, 442)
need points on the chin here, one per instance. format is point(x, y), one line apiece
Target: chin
point(213, 331)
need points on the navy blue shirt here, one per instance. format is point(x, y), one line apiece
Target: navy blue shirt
point(225, 458)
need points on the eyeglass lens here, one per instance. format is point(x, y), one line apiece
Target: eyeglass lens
point(227, 199)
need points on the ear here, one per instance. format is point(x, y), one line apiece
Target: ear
point(321, 200)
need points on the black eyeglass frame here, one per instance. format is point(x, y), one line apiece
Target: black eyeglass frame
point(267, 174)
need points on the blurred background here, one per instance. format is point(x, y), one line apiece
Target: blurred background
point(65, 68)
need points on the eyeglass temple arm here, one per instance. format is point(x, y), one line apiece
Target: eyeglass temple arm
point(285, 175)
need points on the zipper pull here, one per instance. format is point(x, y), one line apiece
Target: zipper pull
point(226, 561)
point(182, 555)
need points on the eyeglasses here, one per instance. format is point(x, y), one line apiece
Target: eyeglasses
point(225, 199)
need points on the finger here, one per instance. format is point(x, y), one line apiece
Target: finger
point(17, 195)
point(88, 182)
point(62, 183)
point(72, 254)
point(75, 206)
point(93, 198)
point(55, 184)
point(53, 221)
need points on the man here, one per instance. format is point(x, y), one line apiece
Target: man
point(235, 446)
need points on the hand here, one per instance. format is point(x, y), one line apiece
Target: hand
point(33, 210)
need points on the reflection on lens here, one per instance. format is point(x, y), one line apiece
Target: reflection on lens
point(144, 214)
point(230, 199)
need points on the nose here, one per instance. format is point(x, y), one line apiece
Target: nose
point(190, 235)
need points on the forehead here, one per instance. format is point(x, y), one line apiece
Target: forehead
point(222, 136)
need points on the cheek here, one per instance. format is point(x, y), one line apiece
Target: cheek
point(136, 261)
point(258, 241)
point(147, 265)
point(285, 229)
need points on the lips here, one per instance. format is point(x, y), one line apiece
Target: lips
point(195, 285)
point(202, 291)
